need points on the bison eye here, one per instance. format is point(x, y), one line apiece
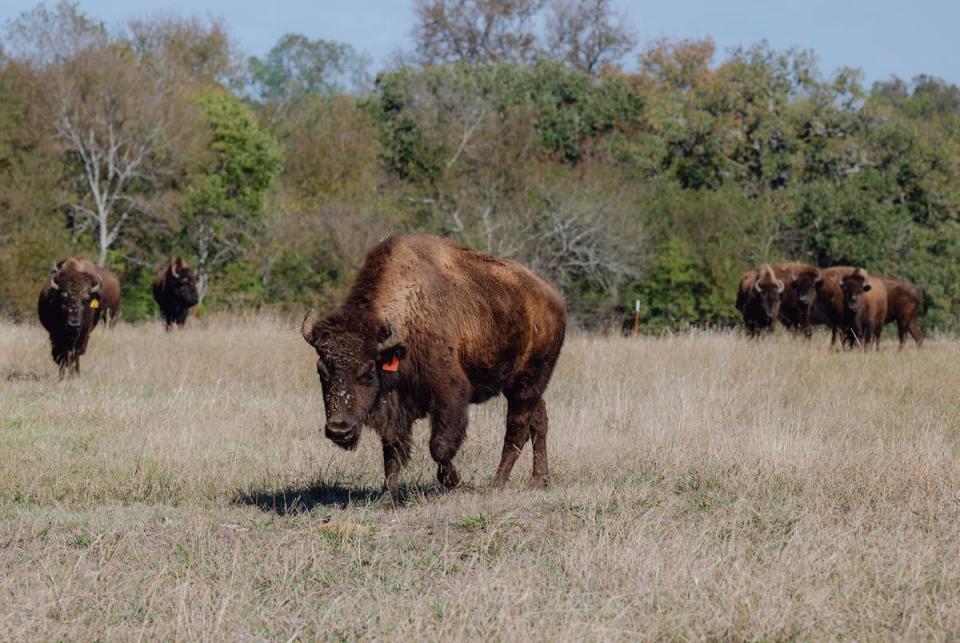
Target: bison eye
point(365, 376)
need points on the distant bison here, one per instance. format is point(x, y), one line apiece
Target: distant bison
point(801, 282)
point(428, 328)
point(904, 299)
point(175, 289)
point(864, 307)
point(758, 299)
point(70, 305)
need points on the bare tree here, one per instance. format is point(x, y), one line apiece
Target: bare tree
point(476, 31)
point(108, 112)
point(588, 34)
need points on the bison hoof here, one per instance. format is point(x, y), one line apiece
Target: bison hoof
point(448, 476)
point(538, 482)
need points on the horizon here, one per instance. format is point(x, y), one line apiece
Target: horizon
point(922, 44)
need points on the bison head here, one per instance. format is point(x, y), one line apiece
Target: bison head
point(854, 286)
point(357, 362)
point(768, 290)
point(182, 282)
point(77, 294)
point(806, 283)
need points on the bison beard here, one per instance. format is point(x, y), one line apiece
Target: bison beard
point(427, 329)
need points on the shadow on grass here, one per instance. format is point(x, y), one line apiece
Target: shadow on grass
point(305, 499)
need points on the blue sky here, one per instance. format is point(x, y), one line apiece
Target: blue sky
point(881, 37)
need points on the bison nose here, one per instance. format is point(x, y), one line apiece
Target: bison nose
point(341, 426)
point(73, 323)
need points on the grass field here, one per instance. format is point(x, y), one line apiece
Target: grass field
point(703, 486)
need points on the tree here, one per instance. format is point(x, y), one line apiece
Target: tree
point(111, 116)
point(588, 34)
point(475, 31)
point(225, 201)
point(297, 66)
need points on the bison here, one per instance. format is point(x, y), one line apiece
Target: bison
point(428, 328)
point(903, 301)
point(70, 305)
point(758, 299)
point(801, 283)
point(828, 305)
point(864, 307)
point(175, 289)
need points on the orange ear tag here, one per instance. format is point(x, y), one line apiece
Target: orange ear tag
point(392, 365)
point(94, 303)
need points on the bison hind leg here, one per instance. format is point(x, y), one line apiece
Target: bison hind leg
point(526, 420)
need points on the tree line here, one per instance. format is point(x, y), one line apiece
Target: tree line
point(530, 129)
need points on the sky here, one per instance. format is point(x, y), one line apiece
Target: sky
point(881, 37)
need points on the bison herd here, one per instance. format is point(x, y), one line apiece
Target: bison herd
point(850, 300)
point(79, 292)
point(430, 327)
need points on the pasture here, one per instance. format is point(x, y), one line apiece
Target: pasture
point(702, 486)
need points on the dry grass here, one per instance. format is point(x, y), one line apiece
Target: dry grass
point(704, 486)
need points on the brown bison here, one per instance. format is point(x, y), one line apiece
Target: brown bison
point(175, 289)
point(70, 305)
point(864, 307)
point(758, 299)
point(429, 328)
point(801, 282)
point(903, 301)
point(828, 306)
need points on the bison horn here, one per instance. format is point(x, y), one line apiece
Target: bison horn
point(96, 287)
point(173, 268)
point(53, 281)
point(309, 323)
point(392, 340)
point(780, 286)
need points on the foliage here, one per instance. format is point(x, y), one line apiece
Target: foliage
point(516, 133)
point(225, 200)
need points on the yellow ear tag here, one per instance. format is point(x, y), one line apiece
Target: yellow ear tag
point(94, 303)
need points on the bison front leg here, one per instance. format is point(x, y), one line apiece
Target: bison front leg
point(396, 452)
point(447, 431)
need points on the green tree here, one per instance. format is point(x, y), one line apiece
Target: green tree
point(225, 201)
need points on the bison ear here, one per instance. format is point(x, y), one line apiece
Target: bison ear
point(309, 327)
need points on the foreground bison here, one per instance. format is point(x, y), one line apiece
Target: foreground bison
point(70, 305)
point(175, 290)
point(427, 329)
point(758, 299)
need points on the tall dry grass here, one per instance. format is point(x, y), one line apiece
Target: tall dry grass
point(703, 486)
